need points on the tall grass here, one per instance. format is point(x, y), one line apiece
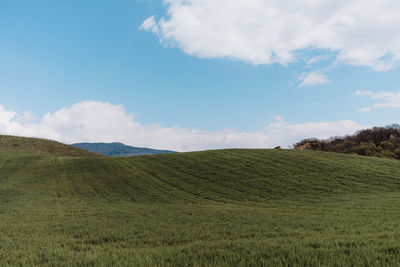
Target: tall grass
point(214, 208)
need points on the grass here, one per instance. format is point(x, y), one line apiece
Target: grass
point(10, 143)
point(212, 208)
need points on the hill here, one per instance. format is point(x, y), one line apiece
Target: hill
point(36, 145)
point(119, 149)
point(213, 208)
point(378, 142)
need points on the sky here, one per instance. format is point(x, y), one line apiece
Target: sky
point(198, 74)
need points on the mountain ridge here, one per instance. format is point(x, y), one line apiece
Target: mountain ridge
point(118, 149)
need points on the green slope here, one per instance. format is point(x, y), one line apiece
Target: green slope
point(226, 207)
point(222, 176)
point(24, 144)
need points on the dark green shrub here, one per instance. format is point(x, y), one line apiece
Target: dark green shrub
point(387, 145)
point(377, 141)
point(367, 149)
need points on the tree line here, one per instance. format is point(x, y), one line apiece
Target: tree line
point(377, 141)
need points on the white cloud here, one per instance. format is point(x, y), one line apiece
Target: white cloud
point(366, 109)
point(288, 133)
point(278, 118)
point(383, 99)
point(361, 32)
point(317, 59)
point(103, 122)
point(27, 118)
point(312, 78)
point(150, 24)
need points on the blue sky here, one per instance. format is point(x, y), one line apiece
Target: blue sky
point(171, 64)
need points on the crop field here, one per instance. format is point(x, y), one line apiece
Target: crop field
point(214, 208)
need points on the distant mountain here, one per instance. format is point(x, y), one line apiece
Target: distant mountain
point(119, 149)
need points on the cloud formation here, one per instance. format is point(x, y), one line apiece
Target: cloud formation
point(361, 32)
point(92, 121)
point(312, 78)
point(150, 24)
point(383, 100)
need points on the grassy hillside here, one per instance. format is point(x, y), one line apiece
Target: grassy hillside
point(213, 208)
point(24, 144)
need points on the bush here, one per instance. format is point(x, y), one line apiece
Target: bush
point(367, 149)
point(387, 145)
point(377, 141)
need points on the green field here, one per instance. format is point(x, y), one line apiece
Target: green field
point(212, 208)
point(10, 143)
